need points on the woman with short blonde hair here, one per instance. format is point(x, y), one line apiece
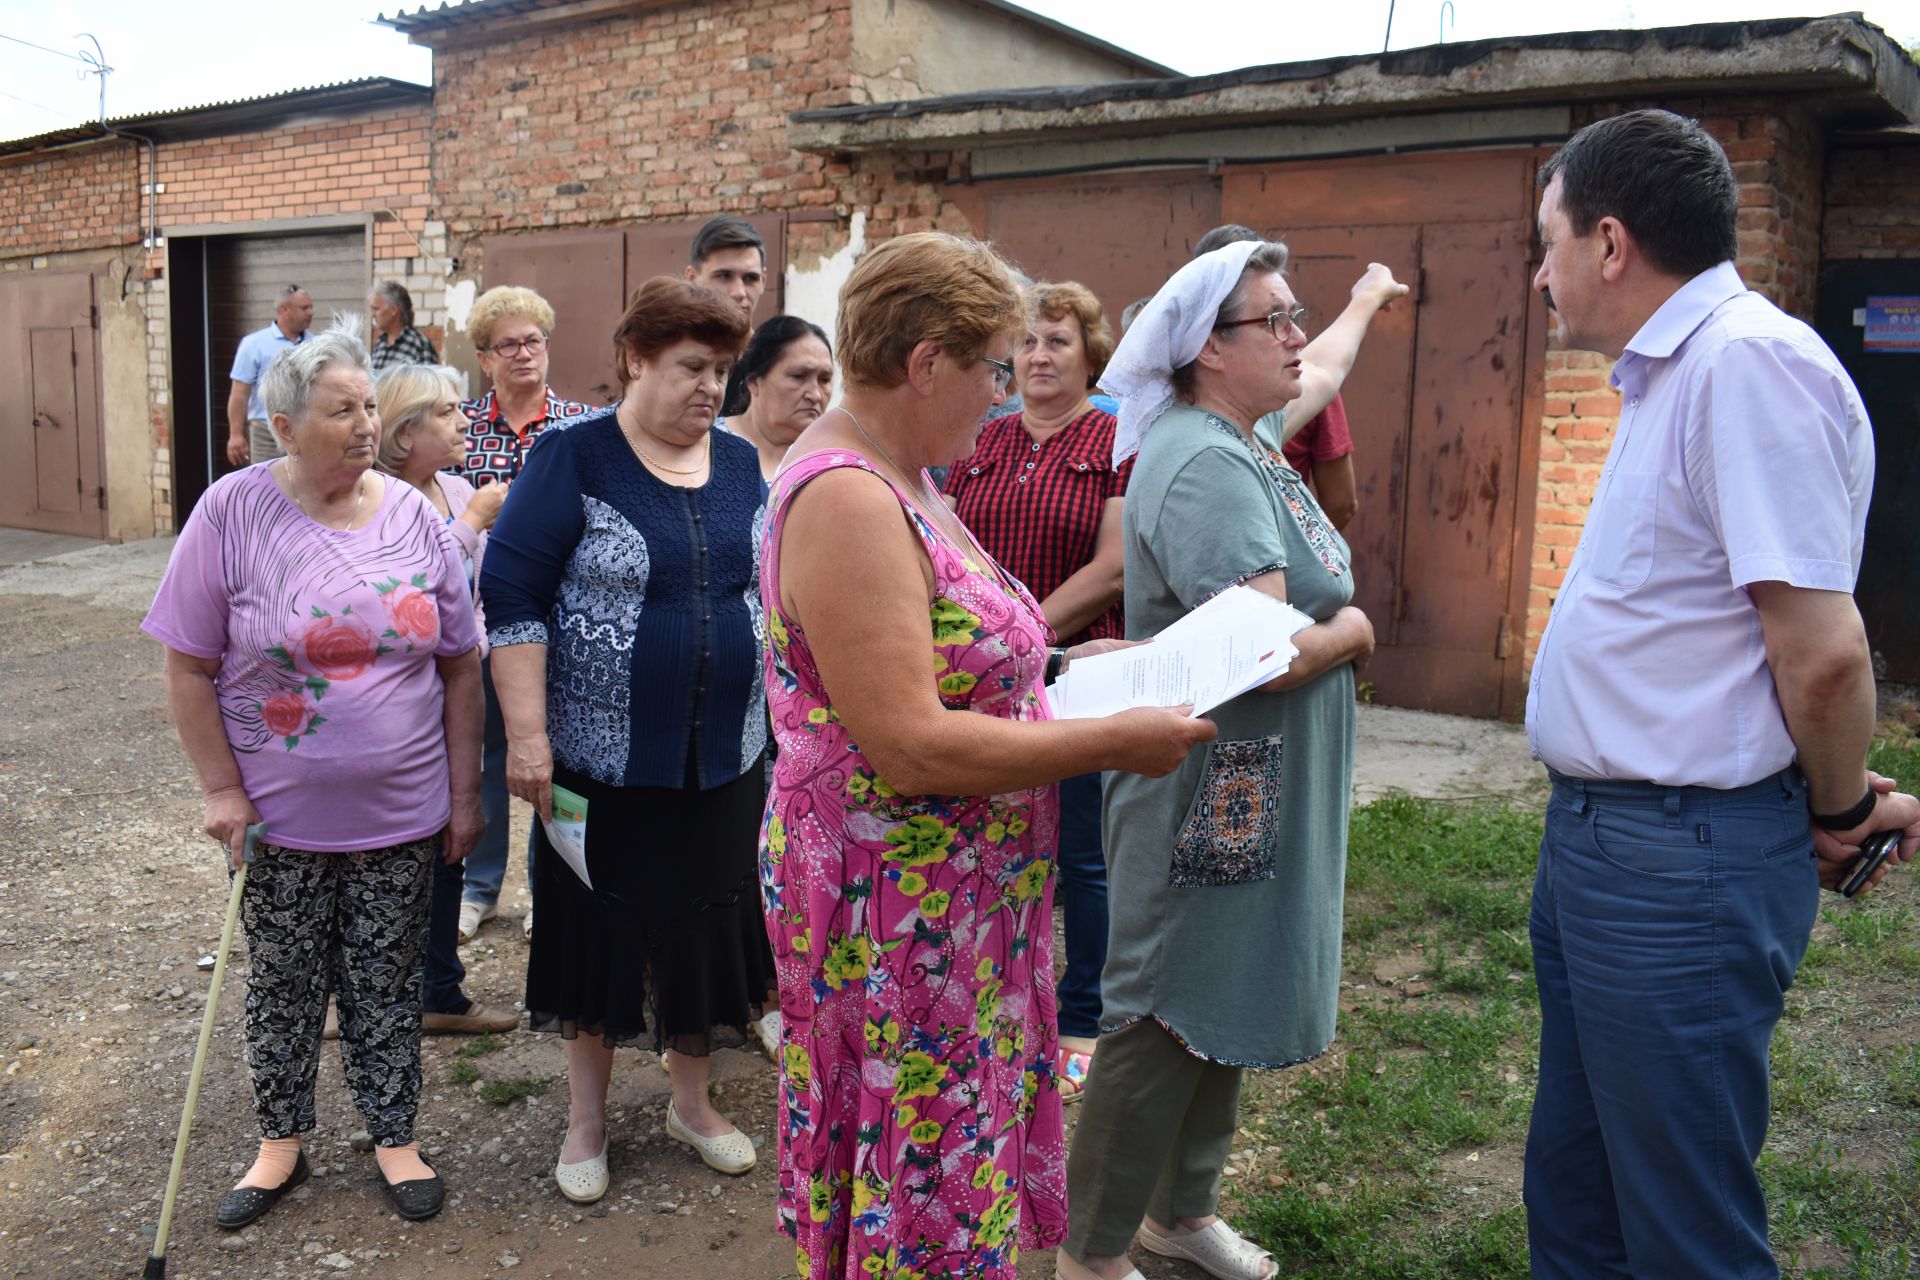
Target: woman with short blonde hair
point(422, 443)
point(907, 853)
point(509, 327)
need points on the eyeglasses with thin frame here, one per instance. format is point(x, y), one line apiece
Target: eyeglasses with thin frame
point(1290, 317)
point(1002, 372)
point(508, 348)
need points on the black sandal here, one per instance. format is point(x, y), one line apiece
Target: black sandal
point(243, 1205)
point(416, 1200)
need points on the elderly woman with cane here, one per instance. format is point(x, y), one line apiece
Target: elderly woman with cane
point(906, 860)
point(1224, 947)
point(321, 669)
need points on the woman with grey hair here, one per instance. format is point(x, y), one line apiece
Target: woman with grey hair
point(323, 672)
point(1226, 874)
point(396, 341)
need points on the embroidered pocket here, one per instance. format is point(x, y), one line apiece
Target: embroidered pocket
point(1232, 834)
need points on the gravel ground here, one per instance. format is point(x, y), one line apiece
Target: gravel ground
point(110, 898)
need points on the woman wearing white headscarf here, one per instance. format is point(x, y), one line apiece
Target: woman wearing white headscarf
point(1226, 875)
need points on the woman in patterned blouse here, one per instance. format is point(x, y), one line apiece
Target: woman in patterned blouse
point(622, 593)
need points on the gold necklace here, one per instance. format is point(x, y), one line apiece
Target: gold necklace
point(640, 453)
point(359, 496)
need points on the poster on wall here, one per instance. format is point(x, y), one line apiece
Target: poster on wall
point(1893, 324)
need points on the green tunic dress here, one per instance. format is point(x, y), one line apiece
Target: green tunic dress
point(1226, 877)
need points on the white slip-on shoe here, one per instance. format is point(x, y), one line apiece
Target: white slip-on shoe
point(731, 1153)
point(768, 1029)
point(585, 1182)
point(1216, 1249)
point(473, 914)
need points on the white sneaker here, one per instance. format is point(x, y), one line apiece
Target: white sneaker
point(769, 1031)
point(473, 914)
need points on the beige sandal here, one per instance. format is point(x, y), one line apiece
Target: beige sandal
point(730, 1153)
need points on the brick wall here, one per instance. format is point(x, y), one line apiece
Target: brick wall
point(671, 112)
point(1873, 203)
point(85, 197)
point(379, 160)
point(1776, 153)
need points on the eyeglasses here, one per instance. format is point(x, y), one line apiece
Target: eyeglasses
point(508, 348)
point(1002, 372)
point(1277, 322)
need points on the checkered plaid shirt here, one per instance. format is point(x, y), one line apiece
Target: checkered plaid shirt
point(494, 449)
point(1036, 507)
point(411, 347)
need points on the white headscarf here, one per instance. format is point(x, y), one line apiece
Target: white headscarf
point(1167, 334)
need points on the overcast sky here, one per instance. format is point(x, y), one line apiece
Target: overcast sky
point(177, 53)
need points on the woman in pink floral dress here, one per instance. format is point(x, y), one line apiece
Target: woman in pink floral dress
point(908, 845)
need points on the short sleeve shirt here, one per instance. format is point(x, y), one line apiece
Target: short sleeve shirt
point(1321, 440)
point(1743, 454)
point(328, 688)
point(1036, 508)
point(256, 352)
point(494, 448)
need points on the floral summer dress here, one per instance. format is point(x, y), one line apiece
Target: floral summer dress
point(920, 1130)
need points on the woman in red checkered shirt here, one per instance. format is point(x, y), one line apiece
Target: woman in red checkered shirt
point(1042, 495)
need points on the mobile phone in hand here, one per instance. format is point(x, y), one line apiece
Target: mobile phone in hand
point(1874, 850)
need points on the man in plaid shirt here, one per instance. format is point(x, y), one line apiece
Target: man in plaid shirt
point(398, 342)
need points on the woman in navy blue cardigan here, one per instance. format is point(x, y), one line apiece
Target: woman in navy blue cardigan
point(623, 608)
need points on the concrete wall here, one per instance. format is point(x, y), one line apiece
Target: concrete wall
point(918, 48)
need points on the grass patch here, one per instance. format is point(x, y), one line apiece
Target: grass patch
point(1397, 1156)
point(480, 1046)
point(504, 1092)
point(463, 1072)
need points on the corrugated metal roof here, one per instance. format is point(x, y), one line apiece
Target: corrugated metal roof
point(446, 17)
point(233, 114)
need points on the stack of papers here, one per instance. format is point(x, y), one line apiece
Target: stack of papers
point(1237, 640)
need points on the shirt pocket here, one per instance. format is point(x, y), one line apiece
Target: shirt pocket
point(1231, 835)
point(1622, 543)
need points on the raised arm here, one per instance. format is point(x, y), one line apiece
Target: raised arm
point(1329, 358)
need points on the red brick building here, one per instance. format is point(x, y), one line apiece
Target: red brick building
point(136, 255)
point(574, 145)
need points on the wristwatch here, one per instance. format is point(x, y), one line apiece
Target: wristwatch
point(1056, 663)
point(1851, 818)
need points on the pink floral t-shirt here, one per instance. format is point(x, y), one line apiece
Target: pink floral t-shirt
point(326, 641)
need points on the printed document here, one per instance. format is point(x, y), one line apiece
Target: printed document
point(1238, 639)
point(567, 831)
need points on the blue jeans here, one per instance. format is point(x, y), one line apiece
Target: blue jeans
point(1667, 924)
point(1082, 894)
point(486, 866)
point(440, 992)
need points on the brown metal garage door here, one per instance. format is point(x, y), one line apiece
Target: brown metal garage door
point(1440, 401)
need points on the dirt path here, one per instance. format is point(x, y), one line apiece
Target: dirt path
point(111, 896)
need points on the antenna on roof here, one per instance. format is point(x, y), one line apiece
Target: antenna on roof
point(1388, 42)
point(1446, 19)
point(96, 66)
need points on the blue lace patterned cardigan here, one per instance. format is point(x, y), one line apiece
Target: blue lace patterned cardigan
point(647, 597)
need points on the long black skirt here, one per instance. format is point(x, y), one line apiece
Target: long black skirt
point(670, 936)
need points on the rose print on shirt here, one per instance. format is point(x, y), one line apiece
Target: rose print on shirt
point(413, 617)
point(291, 716)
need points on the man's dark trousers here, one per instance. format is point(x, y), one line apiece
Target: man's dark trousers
point(1667, 924)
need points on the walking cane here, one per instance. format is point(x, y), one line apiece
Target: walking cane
point(157, 1260)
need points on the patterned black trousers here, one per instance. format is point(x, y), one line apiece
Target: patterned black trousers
point(354, 924)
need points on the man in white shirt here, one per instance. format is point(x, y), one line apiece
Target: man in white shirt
point(1703, 699)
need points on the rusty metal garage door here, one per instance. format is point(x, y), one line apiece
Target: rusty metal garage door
point(1440, 402)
